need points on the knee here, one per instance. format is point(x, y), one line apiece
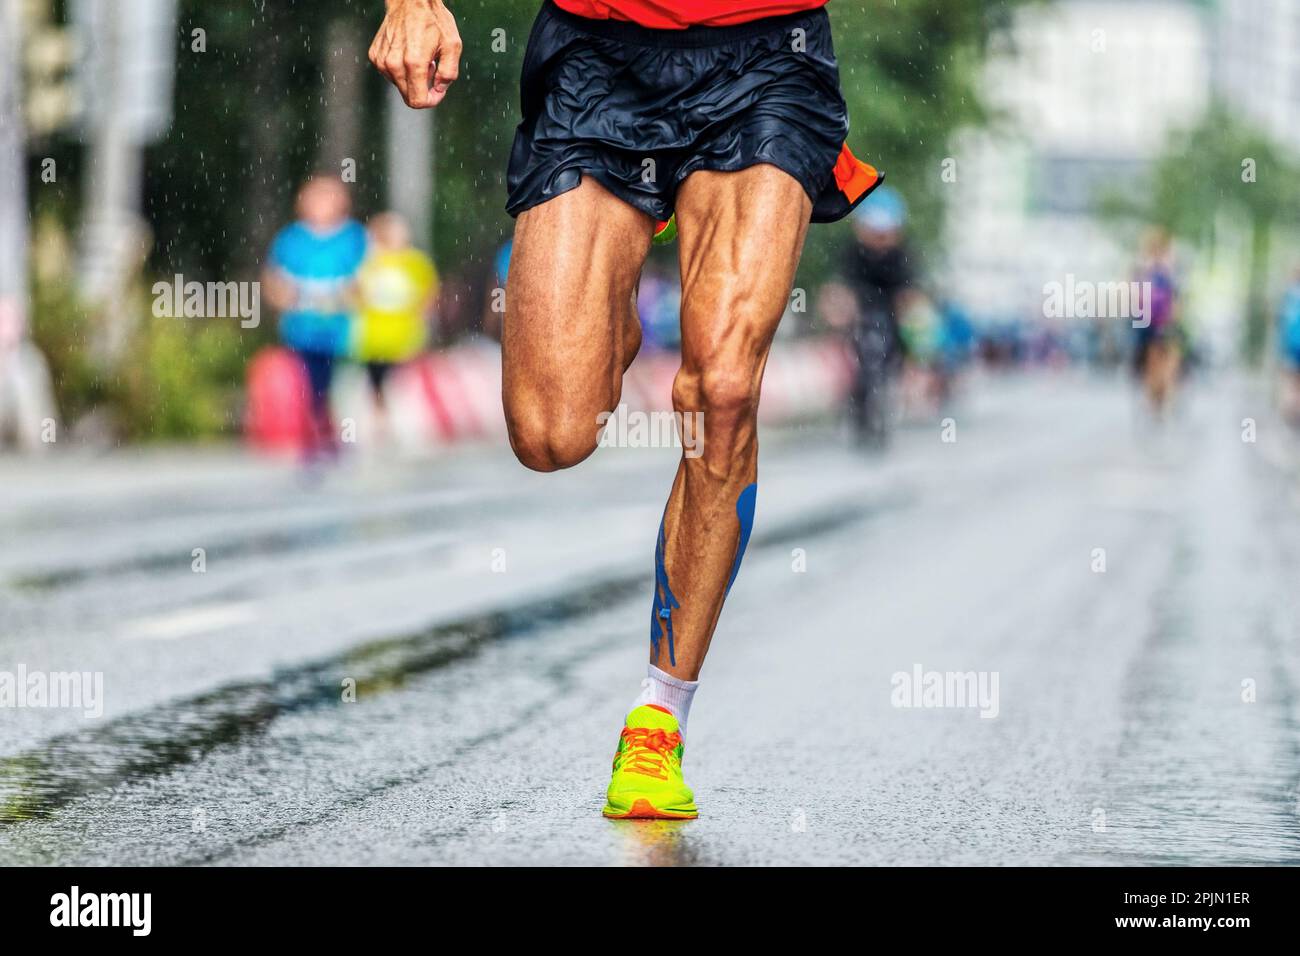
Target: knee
point(719, 405)
point(723, 390)
point(549, 444)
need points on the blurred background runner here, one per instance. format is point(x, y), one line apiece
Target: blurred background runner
point(878, 268)
point(1158, 349)
point(1289, 347)
point(397, 288)
point(311, 279)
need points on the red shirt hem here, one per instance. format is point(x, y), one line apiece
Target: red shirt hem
point(680, 14)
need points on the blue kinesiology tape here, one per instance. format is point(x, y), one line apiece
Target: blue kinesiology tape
point(664, 603)
point(664, 600)
point(745, 512)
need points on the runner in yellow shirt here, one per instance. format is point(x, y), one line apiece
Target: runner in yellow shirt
point(397, 287)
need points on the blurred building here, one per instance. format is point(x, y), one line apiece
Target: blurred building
point(1086, 92)
point(1257, 63)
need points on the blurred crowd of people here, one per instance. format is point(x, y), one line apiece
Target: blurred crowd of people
point(346, 291)
point(909, 342)
point(364, 293)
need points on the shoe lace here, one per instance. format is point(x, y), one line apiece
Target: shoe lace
point(646, 751)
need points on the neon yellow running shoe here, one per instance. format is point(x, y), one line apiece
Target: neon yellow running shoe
point(647, 782)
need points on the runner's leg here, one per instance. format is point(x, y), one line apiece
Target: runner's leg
point(570, 328)
point(320, 427)
point(741, 235)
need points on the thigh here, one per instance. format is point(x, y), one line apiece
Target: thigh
point(573, 270)
point(741, 236)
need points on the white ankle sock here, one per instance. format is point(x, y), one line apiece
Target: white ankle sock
point(668, 691)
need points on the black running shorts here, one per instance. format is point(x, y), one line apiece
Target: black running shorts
point(640, 109)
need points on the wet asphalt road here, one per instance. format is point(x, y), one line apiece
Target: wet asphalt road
point(494, 622)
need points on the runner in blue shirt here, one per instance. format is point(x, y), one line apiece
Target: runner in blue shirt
point(311, 278)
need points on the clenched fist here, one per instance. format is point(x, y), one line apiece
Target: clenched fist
point(418, 40)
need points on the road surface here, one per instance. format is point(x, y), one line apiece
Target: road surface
point(1126, 597)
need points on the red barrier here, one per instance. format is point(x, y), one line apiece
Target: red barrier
point(276, 414)
point(455, 395)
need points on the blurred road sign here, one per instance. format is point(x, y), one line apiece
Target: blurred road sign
point(127, 64)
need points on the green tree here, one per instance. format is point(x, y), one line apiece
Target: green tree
point(249, 118)
point(1222, 171)
point(910, 70)
point(250, 111)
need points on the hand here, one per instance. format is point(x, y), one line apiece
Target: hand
point(414, 36)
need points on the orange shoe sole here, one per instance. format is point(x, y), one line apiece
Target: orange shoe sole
point(644, 810)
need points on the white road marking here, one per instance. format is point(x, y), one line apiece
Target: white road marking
point(191, 621)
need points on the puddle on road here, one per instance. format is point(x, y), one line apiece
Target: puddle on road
point(35, 784)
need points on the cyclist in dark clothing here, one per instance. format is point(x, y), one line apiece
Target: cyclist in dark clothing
point(877, 268)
